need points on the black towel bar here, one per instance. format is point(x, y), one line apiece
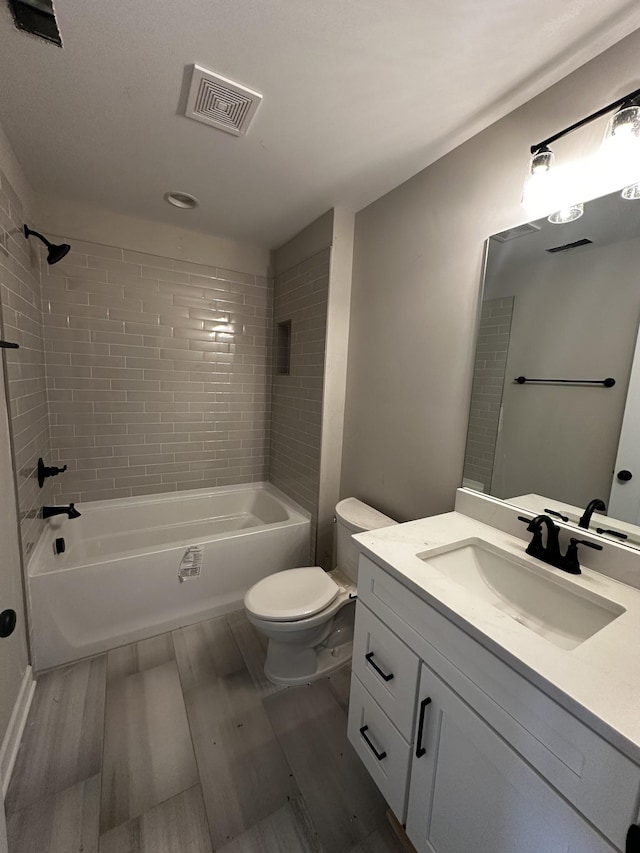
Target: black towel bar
point(607, 383)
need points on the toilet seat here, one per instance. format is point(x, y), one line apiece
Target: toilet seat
point(292, 595)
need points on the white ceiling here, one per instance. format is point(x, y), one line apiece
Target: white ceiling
point(358, 96)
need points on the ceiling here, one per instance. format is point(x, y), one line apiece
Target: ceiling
point(359, 95)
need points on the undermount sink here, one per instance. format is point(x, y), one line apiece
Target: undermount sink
point(550, 605)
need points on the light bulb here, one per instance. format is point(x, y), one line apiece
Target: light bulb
point(567, 214)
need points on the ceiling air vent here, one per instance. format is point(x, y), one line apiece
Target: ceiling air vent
point(568, 246)
point(513, 233)
point(221, 103)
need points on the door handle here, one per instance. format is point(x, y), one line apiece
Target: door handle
point(420, 750)
point(378, 755)
point(384, 675)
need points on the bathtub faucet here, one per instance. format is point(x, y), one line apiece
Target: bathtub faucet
point(70, 511)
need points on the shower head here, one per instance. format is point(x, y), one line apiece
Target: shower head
point(55, 253)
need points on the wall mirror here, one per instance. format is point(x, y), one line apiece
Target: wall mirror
point(555, 409)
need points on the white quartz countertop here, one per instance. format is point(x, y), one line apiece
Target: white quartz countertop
point(598, 681)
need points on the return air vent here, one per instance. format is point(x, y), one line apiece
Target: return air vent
point(566, 247)
point(36, 17)
point(513, 233)
point(221, 103)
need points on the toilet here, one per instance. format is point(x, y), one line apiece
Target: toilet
point(303, 611)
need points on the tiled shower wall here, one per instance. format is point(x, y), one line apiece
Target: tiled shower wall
point(26, 384)
point(486, 394)
point(157, 373)
point(300, 295)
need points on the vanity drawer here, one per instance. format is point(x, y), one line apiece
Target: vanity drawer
point(578, 762)
point(387, 668)
point(382, 749)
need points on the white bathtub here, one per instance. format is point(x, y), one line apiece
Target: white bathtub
point(117, 581)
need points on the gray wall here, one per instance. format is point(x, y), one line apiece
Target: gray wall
point(301, 290)
point(417, 266)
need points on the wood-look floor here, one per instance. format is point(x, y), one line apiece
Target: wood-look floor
point(179, 744)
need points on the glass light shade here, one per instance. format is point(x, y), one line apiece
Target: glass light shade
point(624, 126)
point(567, 214)
point(621, 146)
point(541, 162)
point(631, 193)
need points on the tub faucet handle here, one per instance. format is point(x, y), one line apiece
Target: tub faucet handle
point(45, 471)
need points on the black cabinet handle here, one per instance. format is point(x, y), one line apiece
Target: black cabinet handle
point(633, 839)
point(387, 677)
point(420, 750)
point(8, 345)
point(624, 476)
point(378, 755)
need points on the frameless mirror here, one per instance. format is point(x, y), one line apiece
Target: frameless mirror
point(555, 408)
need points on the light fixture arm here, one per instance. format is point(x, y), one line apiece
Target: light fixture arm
point(627, 99)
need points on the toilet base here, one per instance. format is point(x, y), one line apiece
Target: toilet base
point(325, 661)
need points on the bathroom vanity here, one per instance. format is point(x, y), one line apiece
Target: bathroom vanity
point(496, 700)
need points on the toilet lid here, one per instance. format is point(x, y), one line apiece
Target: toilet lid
point(293, 594)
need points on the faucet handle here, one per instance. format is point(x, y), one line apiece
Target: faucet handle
point(575, 542)
point(530, 521)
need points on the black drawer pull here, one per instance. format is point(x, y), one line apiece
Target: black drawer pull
point(382, 674)
point(378, 755)
point(420, 750)
point(7, 345)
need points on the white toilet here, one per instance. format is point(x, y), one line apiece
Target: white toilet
point(302, 611)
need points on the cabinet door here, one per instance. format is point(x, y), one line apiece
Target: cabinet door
point(469, 790)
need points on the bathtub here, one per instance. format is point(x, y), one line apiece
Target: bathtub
point(118, 581)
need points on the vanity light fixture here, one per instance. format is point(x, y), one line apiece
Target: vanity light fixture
point(620, 152)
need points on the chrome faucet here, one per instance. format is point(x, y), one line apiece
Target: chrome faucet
point(595, 505)
point(70, 511)
point(551, 553)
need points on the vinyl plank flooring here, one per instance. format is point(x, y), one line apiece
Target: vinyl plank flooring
point(148, 756)
point(383, 840)
point(179, 825)
point(289, 830)
point(244, 774)
point(205, 652)
point(343, 801)
point(66, 822)
point(62, 742)
point(253, 647)
point(340, 684)
point(136, 657)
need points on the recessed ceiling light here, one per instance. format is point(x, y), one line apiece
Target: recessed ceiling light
point(184, 201)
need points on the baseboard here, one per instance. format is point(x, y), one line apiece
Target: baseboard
point(13, 735)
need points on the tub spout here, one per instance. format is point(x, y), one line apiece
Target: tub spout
point(70, 511)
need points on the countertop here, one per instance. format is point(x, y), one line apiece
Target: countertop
point(598, 681)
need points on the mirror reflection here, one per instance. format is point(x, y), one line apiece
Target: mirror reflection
point(560, 313)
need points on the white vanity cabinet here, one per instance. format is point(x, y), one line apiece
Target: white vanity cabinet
point(467, 752)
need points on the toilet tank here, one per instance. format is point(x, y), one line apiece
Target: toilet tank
point(354, 516)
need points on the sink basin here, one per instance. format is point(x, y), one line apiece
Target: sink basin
point(536, 597)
